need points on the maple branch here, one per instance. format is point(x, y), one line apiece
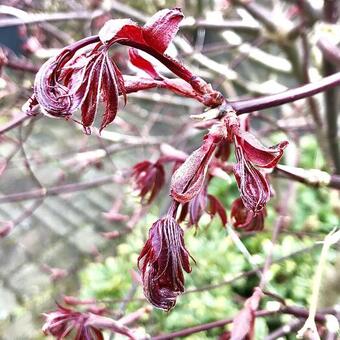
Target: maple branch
point(266, 102)
point(292, 310)
point(312, 177)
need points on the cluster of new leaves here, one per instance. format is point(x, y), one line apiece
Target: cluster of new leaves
point(81, 75)
point(188, 189)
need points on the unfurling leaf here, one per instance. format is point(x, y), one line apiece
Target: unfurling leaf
point(162, 27)
point(188, 179)
point(244, 322)
point(162, 261)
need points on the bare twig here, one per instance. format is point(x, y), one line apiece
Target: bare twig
point(331, 15)
point(58, 190)
point(312, 177)
point(265, 102)
point(296, 311)
point(15, 122)
point(49, 17)
point(204, 327)
point(330, 52)
point(311, 101)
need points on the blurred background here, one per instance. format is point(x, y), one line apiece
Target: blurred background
point(70, 221)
